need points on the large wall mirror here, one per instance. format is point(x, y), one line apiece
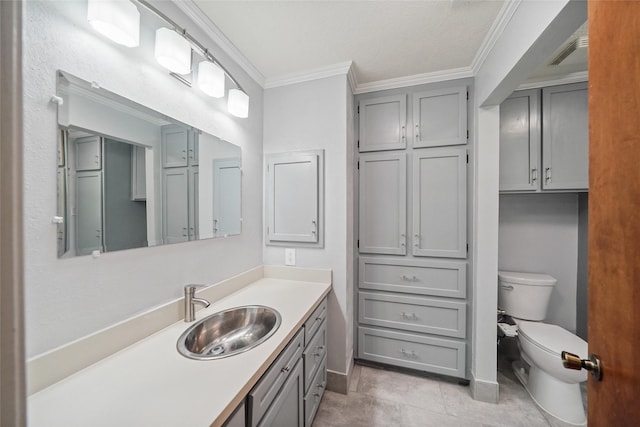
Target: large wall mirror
point(131, 177)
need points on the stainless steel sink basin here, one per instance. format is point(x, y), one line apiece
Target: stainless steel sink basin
point(229, 332)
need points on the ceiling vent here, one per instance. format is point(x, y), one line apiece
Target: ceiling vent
point(581, 42)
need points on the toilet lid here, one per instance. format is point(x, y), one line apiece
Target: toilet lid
point(553, 338)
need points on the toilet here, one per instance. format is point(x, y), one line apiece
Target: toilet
point(525, 297)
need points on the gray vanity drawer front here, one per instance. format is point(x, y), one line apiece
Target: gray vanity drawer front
point(314, 321)
point(313, 355)
point(438, 355)
point(413, 313)
point(314, 395)
point(267, 388)
point(438, 278)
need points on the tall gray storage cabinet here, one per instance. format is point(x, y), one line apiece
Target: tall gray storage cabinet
point(412, 222)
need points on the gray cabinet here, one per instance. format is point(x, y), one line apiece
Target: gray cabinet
point(412, 307)
point(412, 313)
point(544, 140)
point(440, 202)
point(294, 212)
point(179, 184)
point(383, 123)
point(565, 137)
point(88, 153)
point(440, 117)
point(179, 146)
point(520, 141)
point(382, 216)
point(289, 393)
point(238, 418)
point(89, 224)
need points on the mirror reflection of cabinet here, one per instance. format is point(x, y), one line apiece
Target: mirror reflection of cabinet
point(142, 184)
point(180, 184)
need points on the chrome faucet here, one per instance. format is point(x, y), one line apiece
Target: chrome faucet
point(190, 301)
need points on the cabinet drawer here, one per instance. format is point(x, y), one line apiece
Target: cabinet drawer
point(313, 354)
point(438, 278)
point(413, 313)
point(438, 355)
point(314, 321)
point(267, 388)
point(314, 395)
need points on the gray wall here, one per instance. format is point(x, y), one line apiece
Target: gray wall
point(583, 243)
point(125, 220)
point(539, 233)
point(67, 299)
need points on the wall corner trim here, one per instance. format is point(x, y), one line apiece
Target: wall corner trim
point(499, 24)
point(219, 38)
point(342, 68)
point(484, 391)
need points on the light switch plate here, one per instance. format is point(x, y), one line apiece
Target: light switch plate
point(289, 256)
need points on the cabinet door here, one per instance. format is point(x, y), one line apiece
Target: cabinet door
point(175, 141)
point(194, 217)
point(89, 153)
point(193, 148)
point(288, 407)
point(520, 141)
point(293, 194)
point(565, 137)
point(440, 202)
point(383, 123)
point(227, 197)
point(175, 203)
point(440, 117)
point(383, 201)
point(88, 212)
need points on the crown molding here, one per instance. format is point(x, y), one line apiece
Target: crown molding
point(343, 68)
point(194, 13)
point(497, 28)
point(578, 77)
point(352, 79)
point(416, 79)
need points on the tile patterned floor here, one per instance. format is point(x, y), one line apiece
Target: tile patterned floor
point(379, 397)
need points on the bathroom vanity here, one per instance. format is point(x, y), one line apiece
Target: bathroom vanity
point(151, 384)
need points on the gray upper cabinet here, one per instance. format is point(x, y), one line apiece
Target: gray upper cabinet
point(383, 178)
point(544, 140)
point(520, 141)
point(175, 145)
point(565, 138)
point(383, 123)
point(440, 202)
point(89, 153)
point(294, 197)
point(440, 117)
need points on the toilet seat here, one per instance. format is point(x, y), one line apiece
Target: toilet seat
point(552, 338)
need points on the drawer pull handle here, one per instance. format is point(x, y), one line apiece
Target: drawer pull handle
point(409, 353)
point(411, 316)
point(285, 369)
point(316, 395)
point(320, 385)
point(409, 279)
point(320, 350)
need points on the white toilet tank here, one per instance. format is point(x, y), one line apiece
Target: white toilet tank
point(525, 295)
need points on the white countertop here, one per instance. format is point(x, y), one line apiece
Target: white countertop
point(151, 384)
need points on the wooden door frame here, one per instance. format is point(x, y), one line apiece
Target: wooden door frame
point(12, 353)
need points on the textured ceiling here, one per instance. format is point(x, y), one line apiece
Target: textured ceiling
point(384, 39)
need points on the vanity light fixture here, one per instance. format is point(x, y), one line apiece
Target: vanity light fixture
point(211, 79)
point(173, 51)
point(238, 103)
point(120, 21)
point(117, 20)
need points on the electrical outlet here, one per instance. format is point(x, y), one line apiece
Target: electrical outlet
point(289, 256)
